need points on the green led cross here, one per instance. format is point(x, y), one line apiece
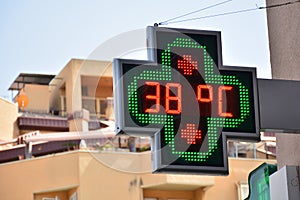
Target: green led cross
point(167, 120)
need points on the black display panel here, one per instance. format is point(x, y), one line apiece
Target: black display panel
point(188, 99)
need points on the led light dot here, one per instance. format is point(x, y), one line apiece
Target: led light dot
point(190, 133)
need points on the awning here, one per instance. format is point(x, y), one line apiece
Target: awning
point(24, 78)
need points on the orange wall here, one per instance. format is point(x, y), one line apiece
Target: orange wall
point(115, 175)
point(38, 98)
point(21, 179)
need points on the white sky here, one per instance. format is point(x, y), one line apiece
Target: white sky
point(41, 36)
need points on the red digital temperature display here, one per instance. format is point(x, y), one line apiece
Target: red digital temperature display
point(157, 98)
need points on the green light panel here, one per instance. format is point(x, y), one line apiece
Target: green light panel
point(164, 75)
point(186, 100)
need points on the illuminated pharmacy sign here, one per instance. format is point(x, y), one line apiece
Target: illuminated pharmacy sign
point(186, 100)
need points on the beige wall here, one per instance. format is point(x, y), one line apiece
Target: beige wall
point(226, 187)
point(38, 98)
point(108, 176)
point(22, 179)
point(98, 86)
point(68, 81)
point(8, 119)
point(96, 75)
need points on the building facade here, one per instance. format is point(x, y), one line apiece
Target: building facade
point(284, 43)
point(59, 144)
point(88, 175)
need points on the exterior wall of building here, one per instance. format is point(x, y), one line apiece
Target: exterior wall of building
point(284, 31)
point(23, 179)
point(64, 85)
point(226, 187)
point(38, 98)
point(68, 83)
point(109, 176)
point(102, 175)
point(8, 117)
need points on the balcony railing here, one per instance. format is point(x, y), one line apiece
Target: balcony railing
point(99, 107)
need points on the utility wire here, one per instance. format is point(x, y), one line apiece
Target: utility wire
point(228, 13)
point(215, 15)
point(202, 9)
point(279, 5)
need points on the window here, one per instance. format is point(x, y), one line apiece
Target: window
point(73, 196)
point(47, 198)
point(168, 195)
point(243, 191)
point(84, 91)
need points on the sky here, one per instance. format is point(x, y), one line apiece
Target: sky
point(42, 36)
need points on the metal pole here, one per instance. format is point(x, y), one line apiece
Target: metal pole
point(254, 150)
point(28, 150)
